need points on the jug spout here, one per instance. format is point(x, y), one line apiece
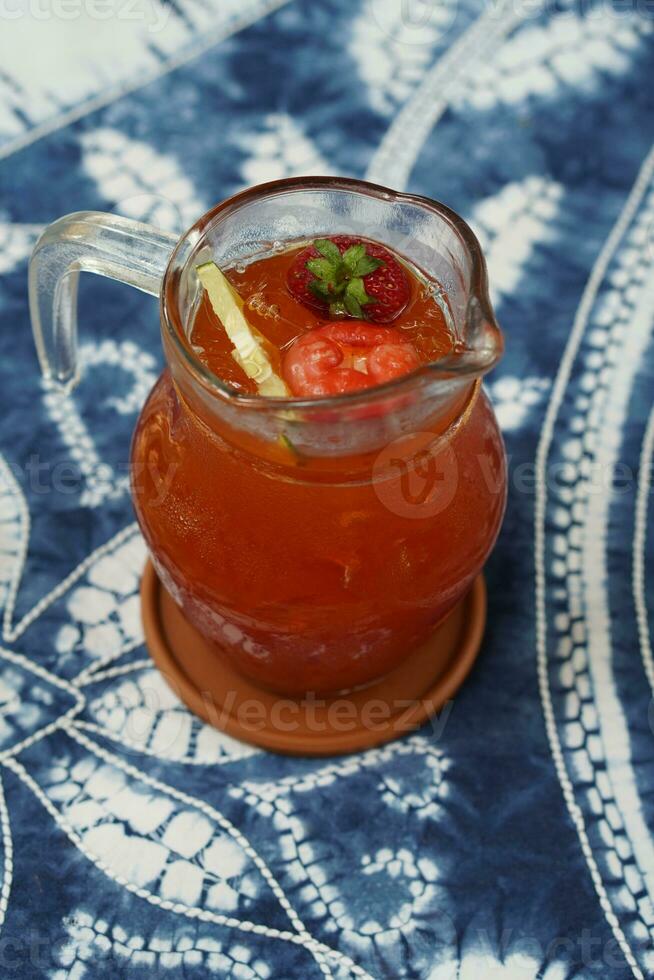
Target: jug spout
point(454, 257)
point(480, 346)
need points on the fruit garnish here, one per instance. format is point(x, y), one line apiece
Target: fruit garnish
point(347, 276)
point(249, 351)
point(291, 450)
point(345, 357)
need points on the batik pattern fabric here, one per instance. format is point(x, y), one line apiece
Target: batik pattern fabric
point(513, 842)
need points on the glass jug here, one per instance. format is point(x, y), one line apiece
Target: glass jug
point(316, 542)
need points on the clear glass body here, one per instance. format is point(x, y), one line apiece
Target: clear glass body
point(316, 567)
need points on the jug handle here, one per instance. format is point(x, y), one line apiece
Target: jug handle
point(87, 241)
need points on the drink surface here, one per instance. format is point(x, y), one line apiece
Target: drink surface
point(281, 319)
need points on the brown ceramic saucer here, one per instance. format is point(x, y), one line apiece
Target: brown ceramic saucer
point(404, 699)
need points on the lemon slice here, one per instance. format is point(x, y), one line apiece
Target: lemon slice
point(249, 351)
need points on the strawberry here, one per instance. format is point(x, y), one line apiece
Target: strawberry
point(343, 275)
point(343, 357)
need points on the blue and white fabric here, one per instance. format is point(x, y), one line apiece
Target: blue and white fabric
point(514, 843)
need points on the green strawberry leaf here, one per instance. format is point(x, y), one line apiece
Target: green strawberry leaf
point(328, 249)
point(366, 265)
point(352, 256)
point(321, 290)
point(353, 306)
point(356, 290)
point(357, 261)
point(339, 278)
point(323, 269)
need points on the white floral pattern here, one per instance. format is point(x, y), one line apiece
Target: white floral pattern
point(514, 398)
point(511, 224)
point(279, 149)
point(95, 940)
point(393, 45)
point(569, 49)
point(173, 850)
point(138, 366)
point(139, 182)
